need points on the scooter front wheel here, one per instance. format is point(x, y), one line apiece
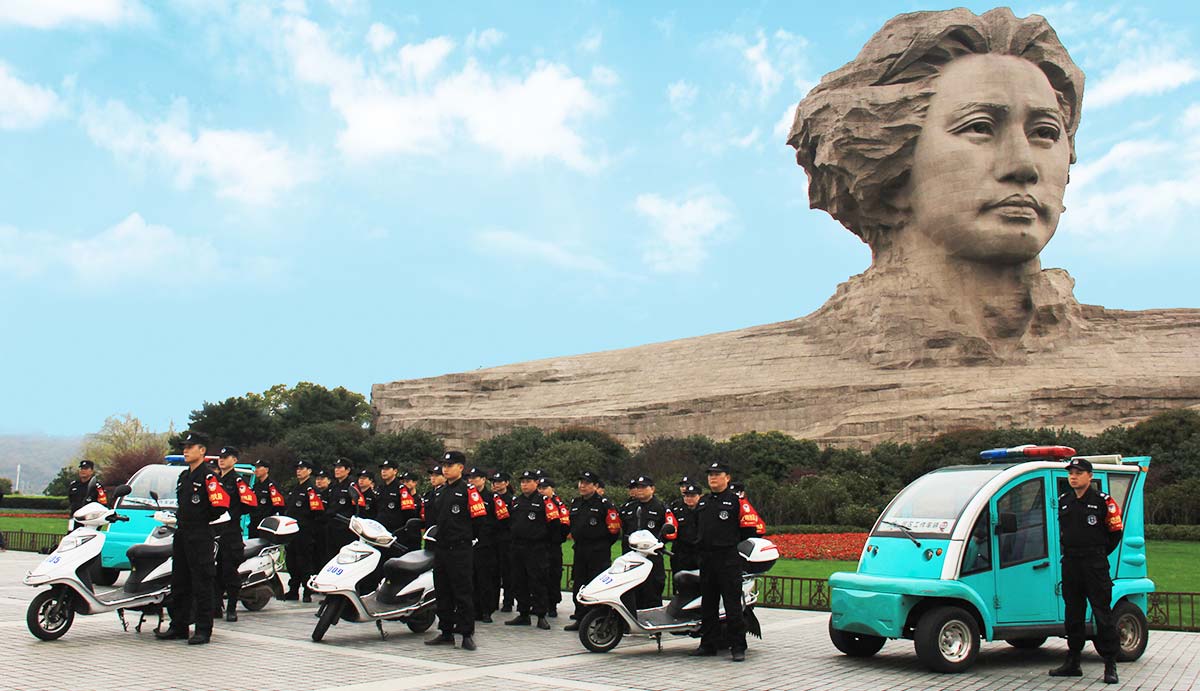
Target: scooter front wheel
point(256, 599)
point(50, 614)
point(601, 629)
point(331, 611)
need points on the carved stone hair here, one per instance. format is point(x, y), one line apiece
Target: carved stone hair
point(855, 133)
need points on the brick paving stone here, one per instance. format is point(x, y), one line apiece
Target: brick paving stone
point(795, 654)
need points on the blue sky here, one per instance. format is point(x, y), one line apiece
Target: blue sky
point(200, 199)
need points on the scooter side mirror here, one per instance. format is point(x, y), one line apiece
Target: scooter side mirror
point(118, 492)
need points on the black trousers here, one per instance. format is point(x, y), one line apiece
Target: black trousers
point(452, 582)
point(301, 557)
point(649, 594)
point(229, 557)
point(529, 576)
point(554, 570)
point(337, 535)
point(193, 571)
point(684, 559)
point(1086, 580)
point(487, 579)
point(504, 558)
point(721, 580)
point(591, 559)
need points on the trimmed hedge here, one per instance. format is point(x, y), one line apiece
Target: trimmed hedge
point(808, 529)
point(1190, 533)
point(22, 501)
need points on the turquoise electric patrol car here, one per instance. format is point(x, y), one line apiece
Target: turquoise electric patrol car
point(971, 553)
point(140, 506)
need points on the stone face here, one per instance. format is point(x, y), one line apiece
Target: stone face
point(945, 145)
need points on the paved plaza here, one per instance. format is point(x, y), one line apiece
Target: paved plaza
point(275, 652)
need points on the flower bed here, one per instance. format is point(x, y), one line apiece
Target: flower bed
point(34, 515)
point(840, 546)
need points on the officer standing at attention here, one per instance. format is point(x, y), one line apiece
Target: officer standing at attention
point(85, 489)
point(387, 499)
point(554, 561)
point(486, 591)
point(366, 487)
point(436, 481)
point(345, 500)
point(268, 499)
point(322, 482)
point(229, 533)
point(677, 503)
point(1090, 528)
point(686, 552)
point(201, 500)
point(304, 504)
point(411, 506)
point(502, 492)
point(724, 521)
point(595, 526)
point(455, 507)
point(535, 525)
point(644, 511)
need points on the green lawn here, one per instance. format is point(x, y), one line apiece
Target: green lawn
point(34, 525)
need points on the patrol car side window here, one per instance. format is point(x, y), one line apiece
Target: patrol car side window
point(978, 554)
point(1118, 488)
point(1028, 502)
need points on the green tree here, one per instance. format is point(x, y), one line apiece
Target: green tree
point(616, 456)
point(773, 454)
point(58, 486)
point(413, 449)
point(668, 458)
point(325, 442)
point(563, 461)
point(120, 434)
point(512, 452)
point(238, 421)
point(5, 485)
point(309, 403)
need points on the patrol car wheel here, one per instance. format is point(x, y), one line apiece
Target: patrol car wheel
point(1026, 643)
point(601, 629)
point(1133, 632)
point(947, 639)
point(50, 614)
point(855, 644)
point(331, 611)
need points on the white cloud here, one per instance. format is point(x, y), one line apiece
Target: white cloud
point(765, 74)
point(23, 105)
point(48, 14)
point(1124, 155)
point(1141, 77)
point(415, 106)
point(681, 230)
point(605, 76)
point(592, 41)
point(519, 246)
point(380, 37)
point(251, 167)
point(745, 141)
point(484, 40)
point(131, 252)
point(783, 126)
point(682, 95)
point(770, 60)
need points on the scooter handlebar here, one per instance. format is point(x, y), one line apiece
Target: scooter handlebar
point(113, 518)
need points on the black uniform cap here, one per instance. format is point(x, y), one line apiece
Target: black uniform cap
point(501, 476)
point(323, 473)
point(409, 475)
point(716, 467)
point(343, 463)
point(260, 463)
point(85, 464)
point(529, 475)
point(435, 470)
point(546, 482)
point(304, 464)
point(641, 481)
point(454, 457)
point(190, 438)
point(366, 473)
point(737, 486)
point(685, 480)
point(229, 451)
point(1080, 464)
point(589, 476)
point(599, 482)
point(477, 472)
point(389, 463)
point(691, 489)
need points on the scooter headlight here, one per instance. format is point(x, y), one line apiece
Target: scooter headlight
point(70, 542)
point(350, 557)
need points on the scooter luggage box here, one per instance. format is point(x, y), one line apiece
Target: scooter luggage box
point(760, 554)
point(278, 529)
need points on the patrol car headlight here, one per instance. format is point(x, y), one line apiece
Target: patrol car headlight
point(349, 557)
point(70, 542)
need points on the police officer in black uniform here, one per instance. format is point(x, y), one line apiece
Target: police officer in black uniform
point(202, 500)
point(322, 482)
point(345, 500)
point(455, 508)
point(229, 533)
point(412, 505)
point(268, 500)
point(502, 492)
point(595, 526)
point(535, 528)
point(387, 499)
point(366, 487)
point(436, 481)
point(724, 520)
point(644, 511)
point(685, 554)
point(86, 488)
point(487, 573)
point(304, 504)
point(1090, 528)
point(677, 503)
point(554, 560)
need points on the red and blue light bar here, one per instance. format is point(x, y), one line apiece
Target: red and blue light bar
point(1027, 451)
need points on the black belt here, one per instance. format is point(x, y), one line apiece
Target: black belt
point(1085, 551)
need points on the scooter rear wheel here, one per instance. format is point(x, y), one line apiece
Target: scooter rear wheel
point(420, 621)
point(50, 614)
point(331, 611)
point(256, 599)
point(601, 629)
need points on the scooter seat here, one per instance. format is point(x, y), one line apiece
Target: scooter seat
point(148, 552)
point(413, 562)
point(684, 578)
point(253, 547)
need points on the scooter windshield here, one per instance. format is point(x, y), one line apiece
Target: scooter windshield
point(931, 505)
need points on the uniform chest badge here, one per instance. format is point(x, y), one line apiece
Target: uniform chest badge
point(342, 500)
point(391, 504)
point(650, 524)
point(195, 499)
point(592, 521)
point(1092, 520)
point(456, 509)
point(724, 515)
point(299, 503)
point(532, 516)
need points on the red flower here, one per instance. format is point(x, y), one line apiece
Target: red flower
point(839, 546)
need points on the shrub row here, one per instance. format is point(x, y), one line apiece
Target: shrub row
point(1191, 533)
point(21, 501)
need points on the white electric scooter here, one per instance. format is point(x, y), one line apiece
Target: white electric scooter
point(608, 619)
point(262, 561)
point(405, 592)
point(68, 571)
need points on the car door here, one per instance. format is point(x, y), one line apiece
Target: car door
point(1025, 577)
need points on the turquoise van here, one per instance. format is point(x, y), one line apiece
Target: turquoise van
point(971, 553)
point(140, 506)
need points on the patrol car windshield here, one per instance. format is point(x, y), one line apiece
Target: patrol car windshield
point(931, 505)
point(161, 479)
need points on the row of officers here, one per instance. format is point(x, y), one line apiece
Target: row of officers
point(496, 549)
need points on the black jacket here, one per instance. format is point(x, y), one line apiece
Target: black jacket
point(724, 520)
point(455, 507)
point(202, 499)
point(650, 515)
point(594, 521)
point(533, 520)
point(1089, 523)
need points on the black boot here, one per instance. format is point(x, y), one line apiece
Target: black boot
point(200, 638)
point(468, 643)
point(1110, 670)
point(231, 609)
point(172, 633)
point(1070, 668)
point(543, 624)
point(444, 638)
point(291, 595)
point(519, 620)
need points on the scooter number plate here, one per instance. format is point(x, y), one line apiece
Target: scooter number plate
point(54, 560)
point(333, 570)
point(606, 579)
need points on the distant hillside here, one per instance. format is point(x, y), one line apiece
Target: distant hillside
point(40, 457)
